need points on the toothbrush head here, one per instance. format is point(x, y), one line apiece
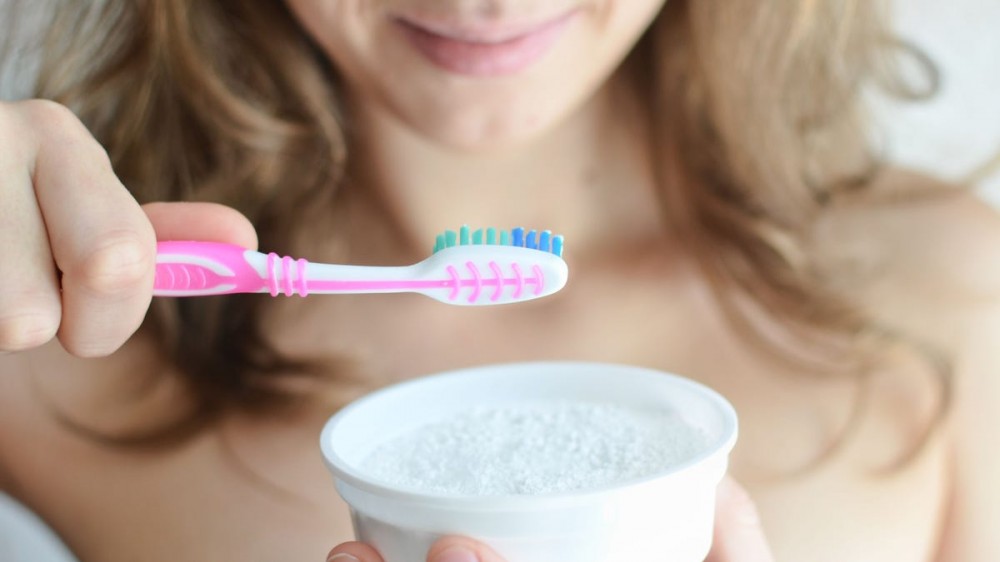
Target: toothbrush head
point(494, 266)
point(517, 237)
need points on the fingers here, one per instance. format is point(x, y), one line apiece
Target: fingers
point(78, 252)
point(100, 239)
point(461, 549)
point(739, 535)
point(353, 552)
point(448, 549)
point(200, 221)
point(29, 299)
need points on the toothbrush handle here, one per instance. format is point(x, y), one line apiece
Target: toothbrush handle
point(212, 268)
point(190, 269)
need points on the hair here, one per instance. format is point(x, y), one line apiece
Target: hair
point(756, 112)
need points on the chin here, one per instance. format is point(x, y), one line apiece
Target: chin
point(485, 123)
point(480, 137)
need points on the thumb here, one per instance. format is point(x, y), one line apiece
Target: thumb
point(739, 535)
point(200, 221)
point(461, 549)
point(448, 549)
point(353, 552)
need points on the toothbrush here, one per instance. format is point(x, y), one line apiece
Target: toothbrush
point(465, 268)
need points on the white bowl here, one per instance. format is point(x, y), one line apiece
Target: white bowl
point(666, 516)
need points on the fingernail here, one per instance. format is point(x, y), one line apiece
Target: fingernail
point(343, 557)
point(456, 554)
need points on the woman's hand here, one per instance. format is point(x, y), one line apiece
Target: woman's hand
point(448, 549)
point(739, 537)
point(78, 252)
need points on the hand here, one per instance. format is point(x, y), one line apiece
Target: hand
point(78, 252)
point(738, 537)
point(448, 549)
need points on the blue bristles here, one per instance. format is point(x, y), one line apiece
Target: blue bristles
point(557, 245)
point(533, 239)
point(517, 237)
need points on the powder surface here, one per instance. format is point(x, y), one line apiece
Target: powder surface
point(535, 448)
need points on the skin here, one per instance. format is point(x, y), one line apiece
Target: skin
point(448, 151)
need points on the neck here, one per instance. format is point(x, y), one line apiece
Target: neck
point(588, 178)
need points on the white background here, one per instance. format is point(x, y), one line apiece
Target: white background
point(959, 130)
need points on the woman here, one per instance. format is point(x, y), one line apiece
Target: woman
point(705, 160)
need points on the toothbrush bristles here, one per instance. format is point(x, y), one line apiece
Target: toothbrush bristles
point(517, 237)
point(533, 239)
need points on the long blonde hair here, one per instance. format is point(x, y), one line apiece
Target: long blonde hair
point(756, 108)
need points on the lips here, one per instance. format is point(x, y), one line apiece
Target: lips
point(482, 49)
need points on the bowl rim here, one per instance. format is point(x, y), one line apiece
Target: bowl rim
point(717, 450)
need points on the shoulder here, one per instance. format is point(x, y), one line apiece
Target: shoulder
point(76, 405)
point(923, 257)
point(16, 401)
point(940, 281)
point(916, 250)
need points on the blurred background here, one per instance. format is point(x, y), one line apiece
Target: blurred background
point(956, 136)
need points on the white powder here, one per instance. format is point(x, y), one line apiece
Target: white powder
point(535, 448)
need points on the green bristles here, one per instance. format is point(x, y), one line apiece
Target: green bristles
point(544, 240)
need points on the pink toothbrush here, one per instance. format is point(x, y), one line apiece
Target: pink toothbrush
point(467, 268)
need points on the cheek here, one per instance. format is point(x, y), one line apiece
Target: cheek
point(358, 39)
point(343, 29)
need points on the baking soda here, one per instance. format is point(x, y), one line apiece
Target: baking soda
point(535, 448)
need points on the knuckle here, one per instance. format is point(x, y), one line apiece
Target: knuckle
point(122, 263)
point(20, 331)
point(88, 348)
point(93, 151)
point(48, 114)
point(57, 124)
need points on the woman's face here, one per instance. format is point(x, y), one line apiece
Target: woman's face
point(475, 73)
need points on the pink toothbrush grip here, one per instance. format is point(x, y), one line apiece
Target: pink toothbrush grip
point(204, 268)
point(492, 272)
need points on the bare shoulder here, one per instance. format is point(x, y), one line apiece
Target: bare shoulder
point(26, 421)
point(920, 251)
point(47, 396)
point(925, 257)
point(15, 402)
